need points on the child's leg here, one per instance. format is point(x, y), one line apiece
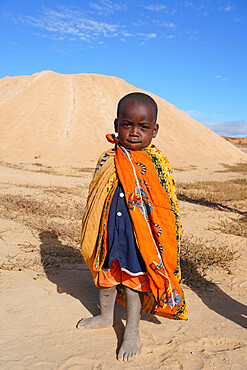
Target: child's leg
point(107, 298)
point(130, 348)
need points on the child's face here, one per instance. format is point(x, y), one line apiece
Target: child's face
point(136, 125)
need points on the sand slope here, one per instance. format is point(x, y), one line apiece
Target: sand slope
point(59, 119)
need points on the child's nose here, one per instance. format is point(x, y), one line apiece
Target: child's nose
point(134, 131)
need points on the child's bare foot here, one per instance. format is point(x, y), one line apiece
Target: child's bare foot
point(130, 347)
point(107, 298)
point(96, 322)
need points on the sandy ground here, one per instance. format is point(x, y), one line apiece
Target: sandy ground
point(42, 302)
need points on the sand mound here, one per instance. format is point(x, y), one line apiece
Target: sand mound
point(58, 119)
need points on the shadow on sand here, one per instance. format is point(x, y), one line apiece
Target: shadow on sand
point(212, 296)
point(214, 205)
point(64, 266)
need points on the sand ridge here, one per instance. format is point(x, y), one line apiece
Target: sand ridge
point(52, 118)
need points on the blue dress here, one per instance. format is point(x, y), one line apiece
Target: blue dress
point(121, 240)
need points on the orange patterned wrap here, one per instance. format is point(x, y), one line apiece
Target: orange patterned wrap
point(151, 199)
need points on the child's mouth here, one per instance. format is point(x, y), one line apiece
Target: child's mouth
point(133, 141)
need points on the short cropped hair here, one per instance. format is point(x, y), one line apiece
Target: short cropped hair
point(139, 98)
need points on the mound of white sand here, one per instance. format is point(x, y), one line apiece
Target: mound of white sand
point(59, 119)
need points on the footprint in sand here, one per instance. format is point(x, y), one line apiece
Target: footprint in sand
point(78, 362)
point(211, 344)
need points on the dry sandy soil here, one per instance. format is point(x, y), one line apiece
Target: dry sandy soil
point(46, 287)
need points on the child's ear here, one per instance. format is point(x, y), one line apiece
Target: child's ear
point(116, 125)
point(156, 129)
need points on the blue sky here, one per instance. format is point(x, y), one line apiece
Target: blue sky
point(191, 53)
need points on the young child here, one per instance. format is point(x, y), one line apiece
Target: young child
point(131, 227)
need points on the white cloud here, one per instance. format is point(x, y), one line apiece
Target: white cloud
point(227, 8)
point(189, 4)
point(155, 7)
point(147, 36)
point(199, 7)
point(193, 35)
point(228, 128)
point(140, 23)
point(108, 6)
point(169, 24)
point(151, 36)
point(170, 37)
point(221, 78)
point(164, 24)
point(66, 22)
point(71, 24)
